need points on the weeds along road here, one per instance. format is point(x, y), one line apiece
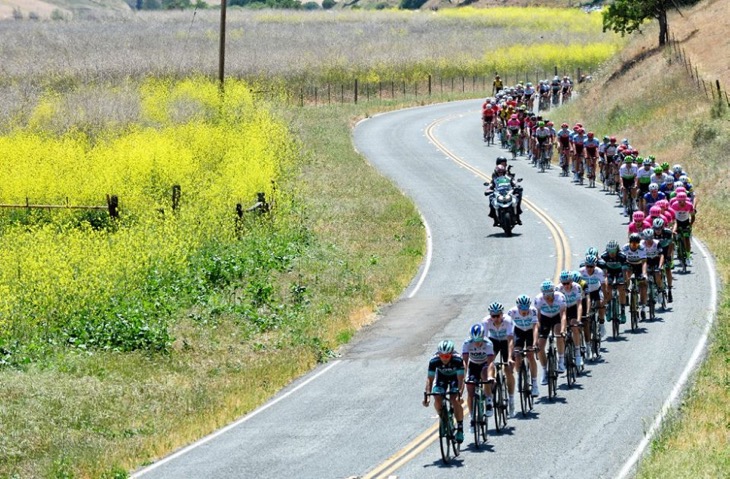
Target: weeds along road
point(361, 415)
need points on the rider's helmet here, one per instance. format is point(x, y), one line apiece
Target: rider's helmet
point(564, 125)
point(523, 301)
point(677, 169)
point(612, 246)
point(495, 308)
point(556, 78)
point(665, 166)
point(653, 187)
point(541, 124)
point(652, 158)
point(638, 216)
point(679, 187)
point(445, 347)
point(658, 170)
point(629, 159)
point(634, 238)
point(591, 260)
point(550, 123)
point(684, 179)
point(605, 138)
point(681, 196)
point(592, 251)
point(477, 332)
point(648, 234)
point(658, 223)
point(501, 160)
point(566, 276)
point(547, 286)
point(648, 162)
point(529, 84)
point(575, 275)
point(625, 141)
point(591, 134)
point(576, 128)
point(655, 211)
point(514, 116)
point(582, 131)
point(612, 139)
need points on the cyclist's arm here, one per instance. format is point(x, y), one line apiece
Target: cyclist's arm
point(465, 357)
point(510, 348)
point(460, 380)
point(643, 268)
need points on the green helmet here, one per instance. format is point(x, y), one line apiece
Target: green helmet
point(629, 159)
point(658, 169)
point(541, 123)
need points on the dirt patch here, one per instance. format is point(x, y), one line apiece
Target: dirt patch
point(632, 62)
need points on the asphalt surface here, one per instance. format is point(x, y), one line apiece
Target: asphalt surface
point(347, 417)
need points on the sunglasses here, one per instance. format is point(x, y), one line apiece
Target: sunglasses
point(495, 315)
point(445, 356)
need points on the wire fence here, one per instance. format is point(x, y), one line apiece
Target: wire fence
point(713, 91)
point(428, 86)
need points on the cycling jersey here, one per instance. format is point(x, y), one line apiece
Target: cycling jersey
point(593, 281)
point(521, 322)
point(499, 332)
point(572, 295)
point(628, 172)
point(542, 134)
point(651, 198)
point(665, 239)
point(652, 250)
point(478, 351)
point(634, 257)
point(550, 310)
point(644, 175)
point(592, 146)
point(682, 212)
point(446, 372)
point(635, 227)
point(614, 264)
point(564, 137)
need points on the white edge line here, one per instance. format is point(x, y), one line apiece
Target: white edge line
point(692, 364)
point(240, 421)
point(429, 256)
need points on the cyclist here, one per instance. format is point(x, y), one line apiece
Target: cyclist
point(595, 291)
point(497, 85)
point(652, 197)
point(659, 177)
point(615, 261)
point(591, 145)
point(639, 222)
point(636, 261)
point(513, 129)
point(542, 138)
point(524, 317)
point(478, 356)
point(628, 172)
point(446, 369)
point(683, 210)
point(643, 178)
point(578, 139)
point(501, 331)
point(574, 309)
point(665, 238)
point(564, 136)
point(487, 120)
point(654, 257)
point(551, 309)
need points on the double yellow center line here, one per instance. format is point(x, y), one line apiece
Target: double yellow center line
point(562, 248)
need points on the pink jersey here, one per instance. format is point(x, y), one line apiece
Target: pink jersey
point(682, 212)
point(634, 228)
point(513, 124)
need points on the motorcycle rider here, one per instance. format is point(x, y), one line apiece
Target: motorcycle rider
point(499, 179)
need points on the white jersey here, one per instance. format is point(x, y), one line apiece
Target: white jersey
point(634, 257)
point(652, 251)
point(523, 322)
point(479, 351)
point(550, 310)
point(572, 295)
point(628, 171)
point(593, 281)
point(501, 332)
point(644, 175)
point(660, 179)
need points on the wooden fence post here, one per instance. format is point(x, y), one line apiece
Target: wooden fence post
point(329, 98)
point(112, 203)
point(315, 96)
point(429, 84)
point(175, 197)
point(355, 91)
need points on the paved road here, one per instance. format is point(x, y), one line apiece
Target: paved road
point(348, 417)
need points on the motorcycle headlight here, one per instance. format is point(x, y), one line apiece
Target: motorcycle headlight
point(500, 198)
point(507, 198)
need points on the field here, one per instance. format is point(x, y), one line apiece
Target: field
point(124, 339)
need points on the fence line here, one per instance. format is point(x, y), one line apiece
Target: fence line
point(712, 92)
point(358, 91)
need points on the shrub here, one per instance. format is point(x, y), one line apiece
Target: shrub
point(327, 4)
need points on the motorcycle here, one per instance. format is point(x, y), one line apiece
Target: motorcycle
point(504, 200)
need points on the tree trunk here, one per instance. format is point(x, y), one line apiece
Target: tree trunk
point(663, 29)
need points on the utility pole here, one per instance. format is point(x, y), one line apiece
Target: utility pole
point(222, 48)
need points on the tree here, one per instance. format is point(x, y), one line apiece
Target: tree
point(626, 16)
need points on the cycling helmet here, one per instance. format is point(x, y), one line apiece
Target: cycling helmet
point(592, 251)
point(655, 211)
point(514, 116)
point(648, 162)
point(658, 170)
point(612, 139)
point(606, 138)
point(446, 347)
point(665, 166)
point(629, 159)
point(566, 276)
point(547, 286)
point(647, 234)
point(652, 157)
point(591, 260)
point(529, 83)
point(658, 223)
point(682, 196)
point(634, 238)
point(684, 179)
point(501, 159)
point(523, 301)
point(591, 134)
point(677, 169)
point(679, 187)
point(495, 308)
point(575, 275)
point(550, 123)
point(625, 141)
point(653, 187)
point(579, 125)
point(576, 128)
point(612, 246)
point(638, 216)
point(477, 332)
point(540, 123)
point(564, 125)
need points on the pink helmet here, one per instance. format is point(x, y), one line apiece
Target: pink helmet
point(681, 196)
point(638, 216)
point(655, 211)
point(662, 203)
point(680, 189)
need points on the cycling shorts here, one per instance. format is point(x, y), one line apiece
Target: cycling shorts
point(452, 386)
point(578, 149)
point(636, 269)
point(652, 263)
point(628, 182)
point(487, 119)
point(643, 188)
point(524, 338)
point(684, 225)
point(572, 312)
point(547, 324)
point(475, 370)
point(591, 152)
point(615, 276)
point(596, 295)
point(500, 349)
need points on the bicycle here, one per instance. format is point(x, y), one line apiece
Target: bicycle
point(595, 330)
point(544, 157)
point(447, 428)
point(682, 254)
point(499, 393)
point(612, 308)
point(478, 409)
point(571, 367)
point(634, 304)
point(651, 294)
point(564, 163)
point(489, 132)
point(524, 382)
point(591, 173)
point(552, 363)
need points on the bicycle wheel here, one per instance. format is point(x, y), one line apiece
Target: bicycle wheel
point(552, 373)
point(570, 362)
point(497, 405)
point(596, 337)
point(634, 306)
point(445, 433)
point(522, 387)
point(651, 299)
point(504, 408)
point(480, 426)
point(614, 315)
